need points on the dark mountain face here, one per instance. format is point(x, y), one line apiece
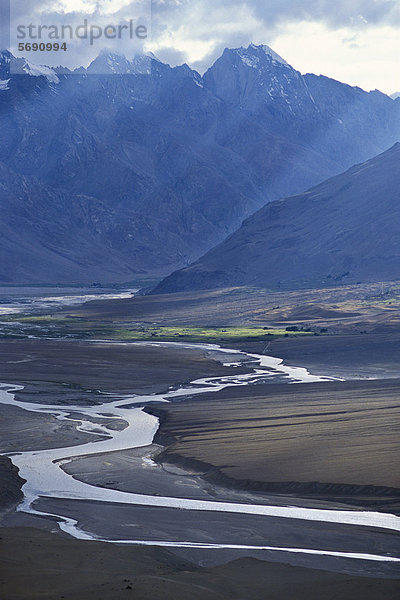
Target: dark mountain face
point(139, 170)
point(345, 230)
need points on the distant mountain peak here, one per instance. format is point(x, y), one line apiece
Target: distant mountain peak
point(268, 51)
point(253, 55)
point(40, 71)
point(151, 55)
point(110, 178)
point(10, 65)
point(112, 56)
point(112, 63)
point(108, 62)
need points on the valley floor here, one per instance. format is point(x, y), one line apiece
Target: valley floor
point(38, 564)
point(333, 441)
point(330, 444)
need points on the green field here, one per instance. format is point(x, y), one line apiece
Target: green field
point(201, 334)
point(55, 326)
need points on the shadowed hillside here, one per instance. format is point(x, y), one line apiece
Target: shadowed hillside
point(344, 231)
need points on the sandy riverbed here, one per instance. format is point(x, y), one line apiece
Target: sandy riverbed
point(167, 521)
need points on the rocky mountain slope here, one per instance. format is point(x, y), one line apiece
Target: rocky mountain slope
point(344, 231)
point(130, 169)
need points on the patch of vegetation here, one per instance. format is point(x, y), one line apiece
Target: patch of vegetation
point(81, 328)
point(202, 334)
point(40, 319)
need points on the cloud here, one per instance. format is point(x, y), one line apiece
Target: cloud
point(269, 13)
point(368, 59)
point(360, 32)
point(73, 14)
point(197, 31)
point(333, 13)
point(201, 29)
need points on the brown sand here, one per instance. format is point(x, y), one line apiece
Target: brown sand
point(370, 307)
point(331, 433)
point(10, 483)
point(36, 564)
point(110, 367)
point(23, 431)
point(349, 356)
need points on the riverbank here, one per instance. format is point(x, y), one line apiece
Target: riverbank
point(42, 365)
point(37, 564)
point(352, 332)
point(334, 441)
point(370, 308)
point(64, 373)
point(10, 484)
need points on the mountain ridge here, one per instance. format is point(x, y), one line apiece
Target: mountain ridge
point(330, 235)
point(169, 162)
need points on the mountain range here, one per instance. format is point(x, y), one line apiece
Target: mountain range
point(130, 169)
point(343, 231)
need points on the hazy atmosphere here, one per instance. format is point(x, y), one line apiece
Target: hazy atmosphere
point(354, 41)
point(199, 300)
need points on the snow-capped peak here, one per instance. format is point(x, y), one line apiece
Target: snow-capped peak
point(269, 52)
point(151, 55)
point(111, 63)
point(253, 54)
point(41, 70)
point(142, 63)
point(4, 85)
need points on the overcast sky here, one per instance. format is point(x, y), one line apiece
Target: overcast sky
point(355, 41)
